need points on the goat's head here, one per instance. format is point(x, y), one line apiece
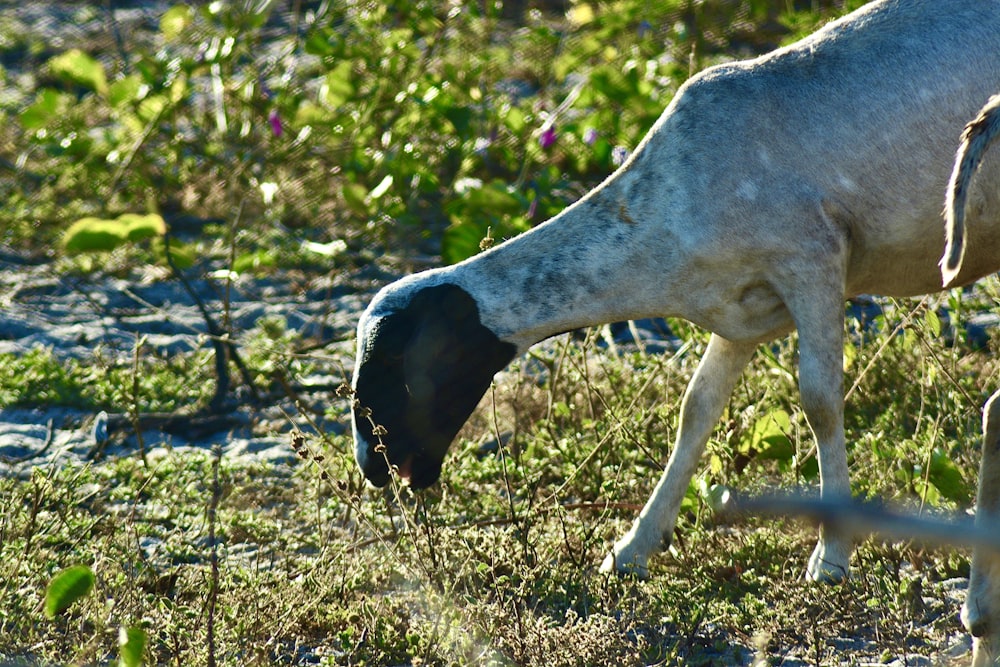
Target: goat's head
point(424, 361)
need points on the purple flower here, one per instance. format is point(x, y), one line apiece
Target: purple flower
point(590, 136)
point(618, 155)
point(644, 28)
point(548, 136)
point(275, 121)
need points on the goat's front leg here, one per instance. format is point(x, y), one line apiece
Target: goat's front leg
point(704, 399)
point(981, 612)
point(819, 317)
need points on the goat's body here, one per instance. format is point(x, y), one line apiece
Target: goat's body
point(804, 145)
point(768, 192)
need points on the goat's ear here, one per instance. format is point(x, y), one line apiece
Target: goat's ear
point(460, 307)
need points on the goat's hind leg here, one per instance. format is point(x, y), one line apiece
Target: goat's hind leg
point(981, 612)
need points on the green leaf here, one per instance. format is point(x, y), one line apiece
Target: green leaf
point(492, 205)
point(175, 20)
point(101, 235)
point(337, 85)
point(933, 322)
point(48, 104)
point(693, 496)
point(460, 118)
point(93, 235)
point(460, 242)
point(496, 198)
point(124, 91)
point(67, 587)
point(809, 469)
point(79, 68)
point(947, 478)
point(183, 256)
point(311, 113)
point(515, 120)
point(253, 261)
point(850, 354)
point(132, 645)
point(318, 42)
point(151, 107)
point(140, 227)
point(768, 437)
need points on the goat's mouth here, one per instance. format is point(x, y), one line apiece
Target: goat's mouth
point(414, 473)
point(378, 468)
point(418, 473)
point(405, 469)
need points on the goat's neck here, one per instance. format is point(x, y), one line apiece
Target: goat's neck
point(597, 261)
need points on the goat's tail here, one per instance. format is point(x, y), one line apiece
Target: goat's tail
point(976, 138)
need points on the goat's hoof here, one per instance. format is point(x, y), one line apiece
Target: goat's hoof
point(617, 563)
point(827, 565)
point(975, 622)
point(828, 576)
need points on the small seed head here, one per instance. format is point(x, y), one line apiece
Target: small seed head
point(487, 242)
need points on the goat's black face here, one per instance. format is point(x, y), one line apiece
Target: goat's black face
point(422, 368)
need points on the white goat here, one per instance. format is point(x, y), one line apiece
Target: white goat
point(981, 612)
point(767, 193)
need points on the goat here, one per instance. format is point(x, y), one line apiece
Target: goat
point(767, 193)
point(981, 611)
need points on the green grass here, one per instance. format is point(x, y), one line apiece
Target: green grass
point(496, 565)
point(102, 382)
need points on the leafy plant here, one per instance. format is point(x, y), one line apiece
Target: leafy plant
point(96, 234)
point(68, 586)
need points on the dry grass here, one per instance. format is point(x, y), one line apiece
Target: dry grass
point(497, 564)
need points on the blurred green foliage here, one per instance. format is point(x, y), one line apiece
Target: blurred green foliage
point(414, 126)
